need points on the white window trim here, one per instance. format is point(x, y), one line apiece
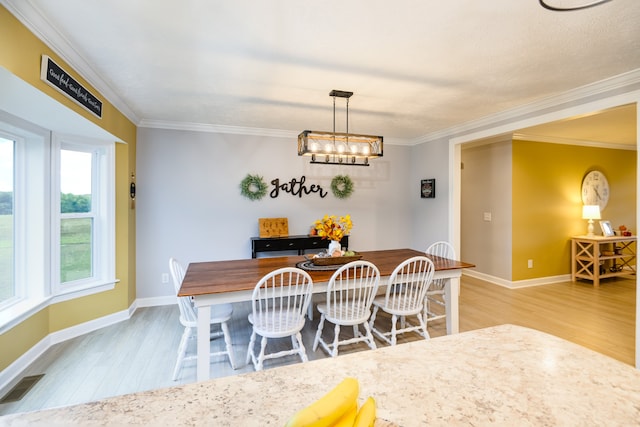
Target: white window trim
point(103, 178)
point(34, 261)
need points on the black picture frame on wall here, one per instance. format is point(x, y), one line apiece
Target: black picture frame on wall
point(428, 188)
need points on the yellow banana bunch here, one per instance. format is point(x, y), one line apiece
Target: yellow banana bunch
point(347, 419)
point(327, 410)
point(367, 414)
point(338, 408)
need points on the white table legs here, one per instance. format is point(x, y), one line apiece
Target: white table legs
point(203, 303)
point(451, 296)
point(203, 344)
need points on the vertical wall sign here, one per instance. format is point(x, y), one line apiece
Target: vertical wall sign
point(428, 188)
point(55, 76)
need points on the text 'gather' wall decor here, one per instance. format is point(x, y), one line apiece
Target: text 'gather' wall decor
point(254, 187)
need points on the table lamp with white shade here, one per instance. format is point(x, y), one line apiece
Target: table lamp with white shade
point(590, 212)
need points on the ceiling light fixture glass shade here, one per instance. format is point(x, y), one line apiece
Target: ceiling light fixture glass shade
point(339, 148)
point(567, 5)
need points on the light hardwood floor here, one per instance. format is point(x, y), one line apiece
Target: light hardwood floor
point(139, 354)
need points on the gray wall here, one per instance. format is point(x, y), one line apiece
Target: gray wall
point(486, 188)
point(189, 204)
point(430, 217)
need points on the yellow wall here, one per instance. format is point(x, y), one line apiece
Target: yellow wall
point(547, 205)
point(20, 53)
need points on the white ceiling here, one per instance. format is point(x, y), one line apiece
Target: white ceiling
point(416, 67)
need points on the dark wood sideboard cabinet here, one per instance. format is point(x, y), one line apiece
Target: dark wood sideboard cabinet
point(298, 243)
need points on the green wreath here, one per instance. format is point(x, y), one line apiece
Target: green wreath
point(253, 187)
point(342, 186)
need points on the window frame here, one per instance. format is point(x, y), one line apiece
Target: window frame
point(102, 212)
point(36, 213)
point(17, 290)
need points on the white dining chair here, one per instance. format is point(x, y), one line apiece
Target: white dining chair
point(350, 293)
point(435, 294)
point(405, 296)
point(220, 315)
point(278, 306)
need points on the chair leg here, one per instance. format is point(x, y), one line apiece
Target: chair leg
point(250, 355)
point(182, 349)
point(423, 325)
point(372, 319)
point(336, 336)
point(263, 346)
point(394, 330)
point(369, 335)
point(319, 333)
point(300, 346)
point(227, 342)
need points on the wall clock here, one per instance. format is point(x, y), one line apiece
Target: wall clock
point(595, 189)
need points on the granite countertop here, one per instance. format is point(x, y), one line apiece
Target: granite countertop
point(503, 375)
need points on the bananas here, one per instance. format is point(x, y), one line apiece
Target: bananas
point(367, 414)
point(347, 419)
point(338, 408)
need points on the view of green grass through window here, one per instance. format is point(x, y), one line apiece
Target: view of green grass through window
point(76, 221)
point(75, 249)
point(7, 283)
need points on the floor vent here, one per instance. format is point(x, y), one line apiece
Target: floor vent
point(21, 389)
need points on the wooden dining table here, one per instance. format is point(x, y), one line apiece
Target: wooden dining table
point(219, 282)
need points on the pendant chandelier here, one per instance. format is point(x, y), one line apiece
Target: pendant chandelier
point(338, 148)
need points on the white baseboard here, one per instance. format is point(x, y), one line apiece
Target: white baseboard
point(157, 301)
point(519, 283)
point(12, 371)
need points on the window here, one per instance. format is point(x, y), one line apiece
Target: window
point(83, 219)
point(7, 256)
point(57, 217)
point(76, 216)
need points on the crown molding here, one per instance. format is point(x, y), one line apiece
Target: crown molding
point(203, 127)
point(237, 130)
point(36, 22)
point(571, 141)
point(626, 82)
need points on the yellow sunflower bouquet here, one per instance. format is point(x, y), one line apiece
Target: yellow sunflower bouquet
point(333, 227)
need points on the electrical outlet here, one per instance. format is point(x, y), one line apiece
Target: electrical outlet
point(530, 263)
point(486, 216)
point(165, 278)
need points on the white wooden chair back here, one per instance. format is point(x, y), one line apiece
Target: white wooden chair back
point(408, 286)
point(440, 249)
point(280, 301)
point(351, 291)
point(188, 313)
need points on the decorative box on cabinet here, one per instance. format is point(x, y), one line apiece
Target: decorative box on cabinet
point(298, 243)
point(598, 257)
